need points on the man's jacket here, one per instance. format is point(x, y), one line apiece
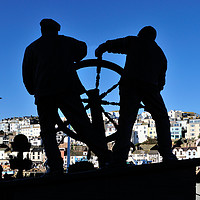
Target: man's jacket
point(48, 65)
point(145, 61)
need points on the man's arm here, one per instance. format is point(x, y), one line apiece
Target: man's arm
point(27, 72)
point(120, 45)
point(162, 81)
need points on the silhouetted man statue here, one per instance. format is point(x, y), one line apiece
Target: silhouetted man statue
point(49, 75)
point(142, 80)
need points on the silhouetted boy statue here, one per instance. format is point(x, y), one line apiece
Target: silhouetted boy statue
point(142, 80)
point(48, 74)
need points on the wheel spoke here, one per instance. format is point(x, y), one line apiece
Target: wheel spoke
point(98, 75)
point(85, 100)
point(110, 119)
point(103, 102)
point(104, 94)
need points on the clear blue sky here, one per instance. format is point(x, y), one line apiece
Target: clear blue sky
point(94, 21)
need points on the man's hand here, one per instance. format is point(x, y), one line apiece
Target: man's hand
point(100, 50)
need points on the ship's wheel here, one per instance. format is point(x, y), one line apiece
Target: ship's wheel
point(94, 100)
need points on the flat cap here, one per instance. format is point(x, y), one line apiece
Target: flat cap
point(50, 24)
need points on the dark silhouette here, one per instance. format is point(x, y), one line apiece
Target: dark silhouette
point(49, 75)
point(142, 80)
point(81, 166)
point(20, 145)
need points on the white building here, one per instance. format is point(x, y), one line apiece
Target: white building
point(150, 122)
point(4, 125)
point(183, 153)
point(37, 154)
point(134, 137)
point(109, 129)
point(176, 131)
point(146, 115)
point(2, 154)
point(13, 124)
point(30, 131)
point(152, 132)
point(175, 115)
point(1, 139)
point(139, 157)
point(36, 141)
point(183, 123)
point(193, 129)
point(141, 130)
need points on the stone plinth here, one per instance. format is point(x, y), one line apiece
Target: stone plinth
point(175, 181)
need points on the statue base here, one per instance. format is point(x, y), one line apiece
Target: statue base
point(172, 181)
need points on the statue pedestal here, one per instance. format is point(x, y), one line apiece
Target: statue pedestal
point(155, 181)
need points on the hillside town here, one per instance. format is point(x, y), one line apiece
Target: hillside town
point(185, 135)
